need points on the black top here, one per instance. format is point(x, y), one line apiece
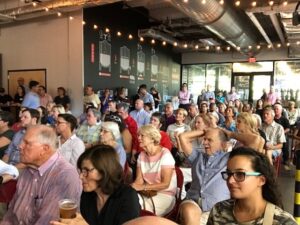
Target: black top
point(283, 122)
point(155, 96)
point(9, 134)
point(62, 101)
point(18, 98)
point(5, 98)
point(123, 205)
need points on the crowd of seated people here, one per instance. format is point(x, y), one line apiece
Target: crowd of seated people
point(224, 152)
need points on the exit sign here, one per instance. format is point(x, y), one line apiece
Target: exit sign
point(252, 60)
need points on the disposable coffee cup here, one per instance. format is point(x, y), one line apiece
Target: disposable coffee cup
point(67, 208)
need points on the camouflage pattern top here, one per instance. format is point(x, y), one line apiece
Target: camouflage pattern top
point(222, 213)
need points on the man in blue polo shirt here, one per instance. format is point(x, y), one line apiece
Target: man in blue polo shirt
point(32, 99)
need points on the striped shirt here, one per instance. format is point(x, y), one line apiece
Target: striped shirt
point(89, 134)
point(151, 167)
point(39, 190)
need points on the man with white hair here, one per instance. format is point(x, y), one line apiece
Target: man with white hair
point(47, 179)
point(274, 133)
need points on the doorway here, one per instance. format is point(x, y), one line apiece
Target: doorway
point(250, 85)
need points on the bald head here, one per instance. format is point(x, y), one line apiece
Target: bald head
point(139, 104)
point(150, 220)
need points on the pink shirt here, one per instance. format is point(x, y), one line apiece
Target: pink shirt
point(184, 97)
point(45, 100)
point(151, 167)
point(39, 190)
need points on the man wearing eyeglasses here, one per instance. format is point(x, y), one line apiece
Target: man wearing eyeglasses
point(207, 187)
point(47, 178)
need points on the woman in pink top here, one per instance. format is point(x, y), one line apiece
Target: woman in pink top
point(184, 97)
point(155, 171)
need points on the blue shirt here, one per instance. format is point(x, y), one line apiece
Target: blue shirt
point(13, 150)
point(141, 117)
point(207, 182)
point(148, 98)
point(31, 100)
point(122, 154)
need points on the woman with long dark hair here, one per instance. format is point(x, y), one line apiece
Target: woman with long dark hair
point(255, 198)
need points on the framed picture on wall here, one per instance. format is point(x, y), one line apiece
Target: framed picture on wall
point(13, 76)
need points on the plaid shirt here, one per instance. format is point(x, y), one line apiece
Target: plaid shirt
point(89, 134)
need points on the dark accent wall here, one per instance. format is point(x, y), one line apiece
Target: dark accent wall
point(122, 59)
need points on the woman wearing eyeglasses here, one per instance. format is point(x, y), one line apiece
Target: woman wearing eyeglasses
point(110, 135)
point(255, 197)
point(105, 199)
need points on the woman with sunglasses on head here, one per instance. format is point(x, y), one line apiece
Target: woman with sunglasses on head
point(255, 197)
point(105, 199)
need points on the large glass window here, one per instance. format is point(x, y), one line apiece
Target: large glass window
point(286, 78)
point(194, 76)
point(252, 67)
point(219, 76)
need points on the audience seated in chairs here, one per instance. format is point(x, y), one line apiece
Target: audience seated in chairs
point(255, 198)
point(36, 198)
point(155, 172)
point(207, 187)
point(105, 198)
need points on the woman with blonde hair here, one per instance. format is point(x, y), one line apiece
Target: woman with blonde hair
point(155, 172)
point(247, 133)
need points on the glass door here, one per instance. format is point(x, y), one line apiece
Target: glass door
point(260, 82)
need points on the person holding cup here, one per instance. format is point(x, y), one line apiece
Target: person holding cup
point(46, 179)
point(105, 198)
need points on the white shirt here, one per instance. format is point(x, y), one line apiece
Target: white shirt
point(71, 149)
point(8, 169)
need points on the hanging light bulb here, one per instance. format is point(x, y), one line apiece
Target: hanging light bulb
point(130, 36)
point(71, 17)
point(153, 41)
point(47, 9)
point(258, 47)
point(164, 43)
point(288, 44)
point(298, 42)
point(196, 46)
point(107, 30)
point(253, 3)
point(237, 3)
point(185, 45)
point(175, 44)
point(228, 48)
point(238, 48)
point(285, 3)
point(141, 39)
point(203, 2)
point(83, 22)
point(34, 4)
point(218, 48)
point(185, 1)
point(221, 2)
point(207, 47)
point(119, 34)
point(95, 26)
point(271, 3)
point(249, 47)
point(269, 46)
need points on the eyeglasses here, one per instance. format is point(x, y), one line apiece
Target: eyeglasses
point(239, 176)
point(85, 172)
point(60, 122)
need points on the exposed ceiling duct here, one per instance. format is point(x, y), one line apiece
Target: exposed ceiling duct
point(222, 20)
point(157, 35)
